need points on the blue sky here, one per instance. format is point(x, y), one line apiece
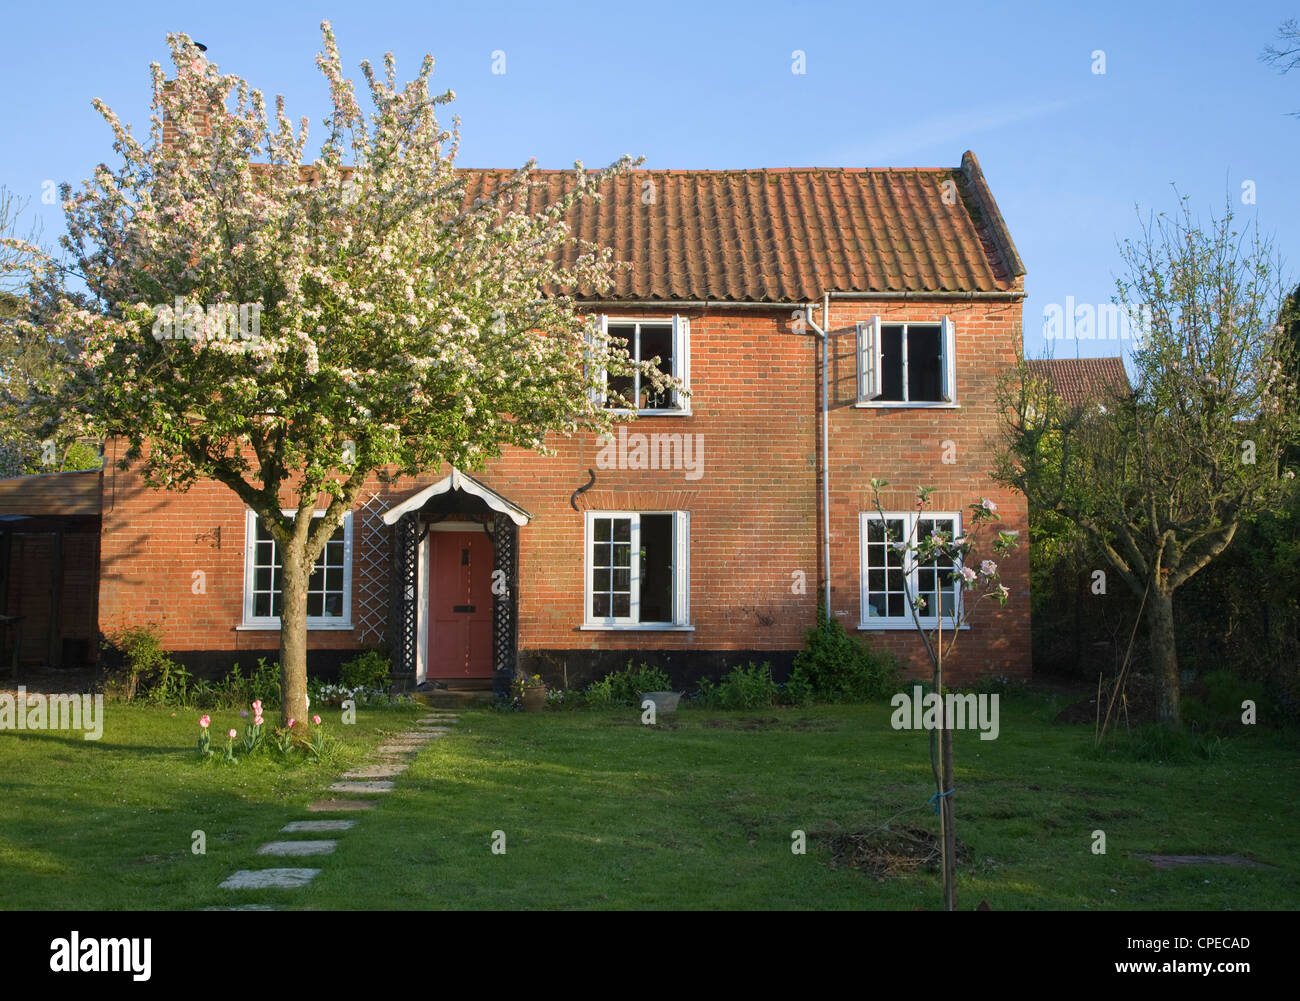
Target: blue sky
point(1069, 153)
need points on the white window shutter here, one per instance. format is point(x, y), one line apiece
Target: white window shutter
point(869, 359)
point(948, 363)
point(682, 568)
point(682, 358)
point(598, 343)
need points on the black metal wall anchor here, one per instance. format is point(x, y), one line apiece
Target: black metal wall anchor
point(573, 501)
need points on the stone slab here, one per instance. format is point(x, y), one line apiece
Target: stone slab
point(318, 826)
point(268, 879)
point(322, 847)
point(408, 749)
point(339, 805)
point(244, 907)
point(381, 771)
point(383, 786)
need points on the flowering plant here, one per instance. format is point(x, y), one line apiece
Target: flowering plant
point(205, 742)
point(523, 682)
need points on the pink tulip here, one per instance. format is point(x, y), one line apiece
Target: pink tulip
point(257, 707)
point(257, 720)
point(315, 721)
point(232, 734)
point(291, 723)
point(204, 721)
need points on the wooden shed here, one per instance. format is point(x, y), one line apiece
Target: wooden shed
point(49, 569)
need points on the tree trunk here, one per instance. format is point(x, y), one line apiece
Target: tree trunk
point(947, 815)
point(293, 637)
point(1164, 655)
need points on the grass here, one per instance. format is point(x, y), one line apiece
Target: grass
point(601, 812)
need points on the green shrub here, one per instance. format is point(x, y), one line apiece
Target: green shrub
point(599, 694)
point(369, 671)
point(797, 691)
point(265, 684)
point(145, 666)
point(833, 666)
point(749, 687)
point(626, 686)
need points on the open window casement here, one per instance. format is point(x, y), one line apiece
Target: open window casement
point(869, 360)
point(948, 363)
point(682, 359)
point(597, 345)
point(681, 568)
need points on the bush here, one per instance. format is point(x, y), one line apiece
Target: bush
point(624, 688)
point(599, 694)
point(369, 671)
point(146, 668)
point(835, 667)
point(748, 687)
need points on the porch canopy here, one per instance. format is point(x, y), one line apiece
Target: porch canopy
point(448, 486)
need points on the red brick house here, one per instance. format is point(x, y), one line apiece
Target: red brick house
point(703, 534)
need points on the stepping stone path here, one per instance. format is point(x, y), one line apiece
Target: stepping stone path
point(385, 764)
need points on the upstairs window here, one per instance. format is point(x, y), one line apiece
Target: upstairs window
point(667, 340)
point(906, 363)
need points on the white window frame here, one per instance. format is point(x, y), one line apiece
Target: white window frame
point(870, 349)
point(681, 326)
point(251, 621)
point(911, 568)
point(681, 571)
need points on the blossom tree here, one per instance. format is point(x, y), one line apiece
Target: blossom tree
point(958, 589)
point(289, 329)
point(1160, 478)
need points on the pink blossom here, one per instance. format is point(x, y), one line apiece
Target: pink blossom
point(232, 734)
point(968, 574)
point(988, 568)
point(291, 723)
point(257, 720)
point(315, 720)
point(987, 504)
point(204, 721)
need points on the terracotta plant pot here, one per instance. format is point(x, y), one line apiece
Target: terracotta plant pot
point(534, 699)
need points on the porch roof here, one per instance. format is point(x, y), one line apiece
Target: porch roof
point(463, 482)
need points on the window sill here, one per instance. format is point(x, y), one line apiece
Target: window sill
point(873, 625)
point(635, 627)
point(650, 413)
point(904, 405)
point(273, 626)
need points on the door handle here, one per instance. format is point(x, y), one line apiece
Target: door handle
point(463, 608)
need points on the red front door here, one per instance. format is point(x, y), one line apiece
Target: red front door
point(460, 605)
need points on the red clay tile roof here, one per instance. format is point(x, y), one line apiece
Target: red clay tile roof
point(1080, 380)
point(789, 234)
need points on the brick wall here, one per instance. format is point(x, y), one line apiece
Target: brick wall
point(754, 519)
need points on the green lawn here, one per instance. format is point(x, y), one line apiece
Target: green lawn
point(601, 812)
